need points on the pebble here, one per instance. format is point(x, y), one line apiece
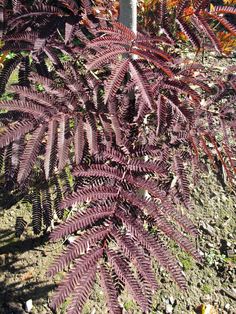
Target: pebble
point(230, 253)
point(201, 253)
point(28, 305)
point(212, 222)
point(227, 306)
point(210, 245)
point(169, 309)
point(206, 298)
point(171, 300)
point(208, 228)
point(165, 300)
point(71, 239)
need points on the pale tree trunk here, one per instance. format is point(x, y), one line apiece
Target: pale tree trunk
point(128, 14)
point(128, 17)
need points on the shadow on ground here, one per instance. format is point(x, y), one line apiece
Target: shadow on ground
point(13, 291)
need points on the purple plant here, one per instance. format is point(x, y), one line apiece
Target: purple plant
point(113, 134)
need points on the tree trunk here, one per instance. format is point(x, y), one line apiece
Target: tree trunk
point(128, 14)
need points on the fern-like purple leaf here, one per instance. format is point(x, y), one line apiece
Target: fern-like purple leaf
point(115, 79)
point(78, 247)
point(110, 291)
point(82, 291)
point(87, 194)
point(124, 272)
point(72, 280)
point(15, 131)
point(30, 153)
point(82, 220)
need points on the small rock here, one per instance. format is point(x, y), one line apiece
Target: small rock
point(212, 222)
point(169, 309)
point(205, 298)
point(201, 253)
point(2, 259)
point(224, 198)
point(28, 305)
point(71, 239)
point(230, 253)
point(227, 306)
point(171, 300)
point(210, 309)
point(210, 245)
point(208, 229)
point(164, 300)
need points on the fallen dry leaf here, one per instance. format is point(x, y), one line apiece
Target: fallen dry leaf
point(206, 309)
point(27, 276)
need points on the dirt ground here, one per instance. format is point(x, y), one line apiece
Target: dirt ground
point(24, 261)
